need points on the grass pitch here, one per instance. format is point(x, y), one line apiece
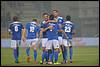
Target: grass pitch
point(82, 56)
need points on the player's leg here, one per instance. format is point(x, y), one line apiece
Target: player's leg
point(65, 54)
point(14, 45)
point(35, 49)
point(49, 51)
point(28, 50)
point(47, 55)
point(56, 52)
point(52, 54)
point(28, 54)
point(64, 48)
point(44, 40)
point(18, 45)
point(43, 54)
point(70, 50)
point(60, 43)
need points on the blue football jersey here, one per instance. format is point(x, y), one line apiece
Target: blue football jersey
point(16, 29)
point(60, 21)
point(53, 33)
point(31, 30)
point(43, 25)
point(68, 28)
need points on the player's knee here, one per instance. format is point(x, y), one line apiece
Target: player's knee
point(66, 46)
point(14, 48)
point(43, 49)
point(46, 51)
point(34, 48)
point(70, 46)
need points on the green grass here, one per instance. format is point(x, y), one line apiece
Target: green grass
point(82, 56)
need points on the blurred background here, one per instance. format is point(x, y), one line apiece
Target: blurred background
point(85, 15)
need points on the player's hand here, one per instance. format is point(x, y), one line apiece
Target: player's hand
point(9, 31)
point(48, 21)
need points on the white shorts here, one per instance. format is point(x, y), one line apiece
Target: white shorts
point(60, 40)
point(51, 43)
point(15, 43)
point(67, 43)
point(44, 41)
point(31, 42)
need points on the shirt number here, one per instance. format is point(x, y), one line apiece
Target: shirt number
point(31, 29)
point(67, 29)
point(16, 28)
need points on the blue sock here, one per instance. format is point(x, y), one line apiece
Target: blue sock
point(50, 56)
point(63, 56)
point(28, 51)
point(46, 56)
point(35, 55)
point(43, 55)
point(71, 52)
point(65, 53)
point(15, 54)
point(56, 56)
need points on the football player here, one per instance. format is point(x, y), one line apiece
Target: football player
point(44, 36)
point(16, 29)
point(60, 21)
point(32, 34)
point(68, 28)
point(52, 34)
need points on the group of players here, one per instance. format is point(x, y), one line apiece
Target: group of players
point(55, 35)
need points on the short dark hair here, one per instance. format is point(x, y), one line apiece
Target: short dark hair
point(45, 14)
point(51, 17)
point(68, 17)
point(15, 18)
point(56, 10)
